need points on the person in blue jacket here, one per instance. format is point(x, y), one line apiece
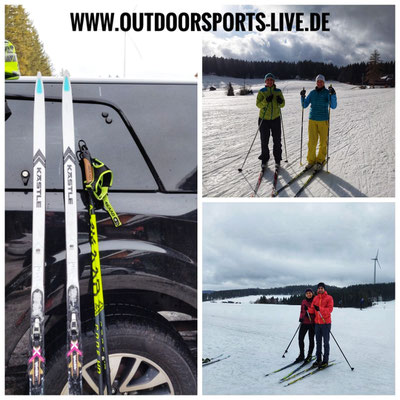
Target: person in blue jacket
point(318, 124)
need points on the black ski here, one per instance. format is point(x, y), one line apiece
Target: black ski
point(215, 361)
point(295, 178)
point(207, 359)
point(293, 373)
point(308, 181)
point(281, 369)
point(314, 371)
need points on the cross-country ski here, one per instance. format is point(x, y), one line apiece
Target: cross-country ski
point(312, 372)
point(36, 364)
point(74, 345)
point(214, 360)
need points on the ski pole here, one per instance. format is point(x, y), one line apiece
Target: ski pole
point(336, 342)
point(259, 126)
point(329, 121)
point(100, 319)
point(283, 133)
point(301, 137)
point(352, 368)
point(287, 348)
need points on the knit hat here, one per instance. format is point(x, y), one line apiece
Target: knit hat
point(321, 284)
point(308, 290)
point(320, 78)
point(269, 75)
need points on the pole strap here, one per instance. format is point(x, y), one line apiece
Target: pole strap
point(102, 181)
point(98, 179)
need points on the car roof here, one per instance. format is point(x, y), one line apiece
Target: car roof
point(55, 79)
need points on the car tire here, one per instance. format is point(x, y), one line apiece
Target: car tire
point(146, 357)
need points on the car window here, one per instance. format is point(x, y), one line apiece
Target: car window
point(103, 130)
point(164, 117)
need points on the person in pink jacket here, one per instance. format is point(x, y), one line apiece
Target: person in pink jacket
point(322, 307)
point(307, 325)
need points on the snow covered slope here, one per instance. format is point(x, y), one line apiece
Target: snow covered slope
point(361, 141)
point(257, 335)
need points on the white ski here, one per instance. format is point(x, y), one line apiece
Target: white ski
point(74, 355)
point(36, 362)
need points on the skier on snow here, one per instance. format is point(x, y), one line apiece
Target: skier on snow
point(307, 325)
point(320, 98)
point(322, 307)
point(270, 100)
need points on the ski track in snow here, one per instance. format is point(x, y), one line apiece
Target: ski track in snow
point(256, 335)
point(361, 142)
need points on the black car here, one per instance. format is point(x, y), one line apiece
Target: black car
point(146, 133)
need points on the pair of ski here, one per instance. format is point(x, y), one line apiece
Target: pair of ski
point(36, 362)
point(301, 374)
point(306, 373)
point(274, 182)
point(215, 360)
point(313, 174)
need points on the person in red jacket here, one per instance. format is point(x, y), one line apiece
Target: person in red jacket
point(307, 325)
point(322, 307)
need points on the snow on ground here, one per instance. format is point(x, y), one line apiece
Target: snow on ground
point(361, 141)
point(256, 335)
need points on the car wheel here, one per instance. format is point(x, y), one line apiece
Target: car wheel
point(146, 357)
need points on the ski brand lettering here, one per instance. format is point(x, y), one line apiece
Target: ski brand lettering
point(38, 187)
point(70, 185)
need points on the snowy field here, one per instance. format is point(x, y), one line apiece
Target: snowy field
point(255, 337)
point(361, 141)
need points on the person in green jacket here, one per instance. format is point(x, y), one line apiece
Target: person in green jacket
point(270, 100)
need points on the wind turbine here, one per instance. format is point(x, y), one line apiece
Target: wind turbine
point(376, 261)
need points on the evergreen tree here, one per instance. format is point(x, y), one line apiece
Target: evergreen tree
point(20, 31)
point(374, 68)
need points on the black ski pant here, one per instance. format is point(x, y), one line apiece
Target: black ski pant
point(304, 328)
point(266, 128)
point(322, 331)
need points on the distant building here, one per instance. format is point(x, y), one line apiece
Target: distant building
point(386, 81)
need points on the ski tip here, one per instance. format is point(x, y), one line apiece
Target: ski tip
point(67, 86)
point(39, 83)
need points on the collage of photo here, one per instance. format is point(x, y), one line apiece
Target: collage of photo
point(151, 245)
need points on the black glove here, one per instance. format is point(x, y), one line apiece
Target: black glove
point(316, 307)
point(279, 100)
point(331, 90)
point(305, 307)
point(303, 93)
point(269, 98)
point(300, 319)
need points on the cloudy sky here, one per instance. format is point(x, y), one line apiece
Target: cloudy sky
point(355, 32)
point(247, 245)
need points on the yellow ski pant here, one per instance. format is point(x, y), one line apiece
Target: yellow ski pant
point(317, 129)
